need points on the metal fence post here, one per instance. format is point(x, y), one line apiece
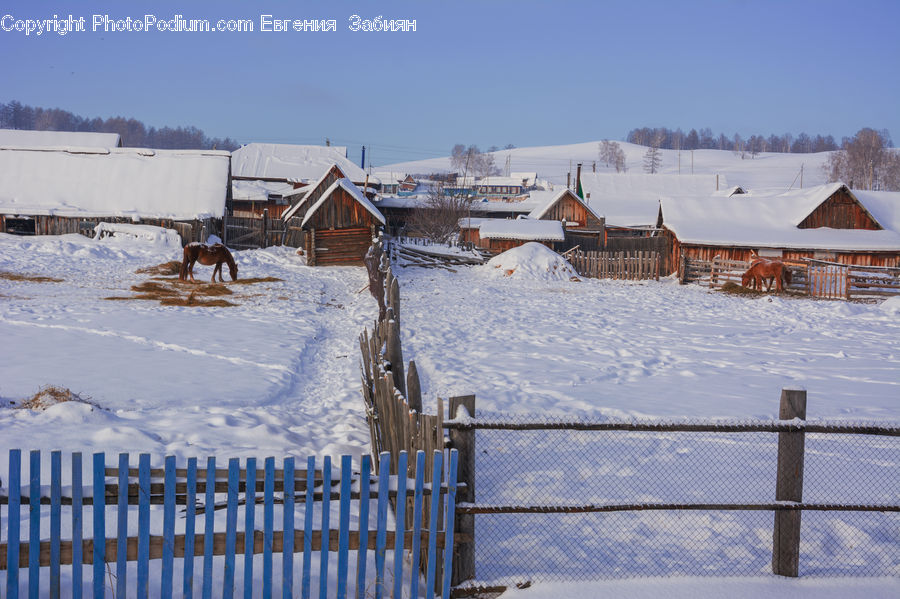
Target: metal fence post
point(464, 526)
point(789, 486)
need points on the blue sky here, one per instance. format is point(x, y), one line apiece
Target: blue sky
point(490, 72)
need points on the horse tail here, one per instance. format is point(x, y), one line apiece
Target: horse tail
point(182, 274)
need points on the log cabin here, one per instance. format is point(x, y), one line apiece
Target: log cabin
point(339, 226)
point(828, 222)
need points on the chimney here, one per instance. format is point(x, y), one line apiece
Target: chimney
point(362, 162)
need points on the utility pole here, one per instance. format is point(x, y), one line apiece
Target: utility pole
point(801, 175)
point(679, 162)
point(692, 162)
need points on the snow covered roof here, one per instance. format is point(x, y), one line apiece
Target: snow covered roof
point(350, 188)
point(56, 139)
point(291, 162)
point(509, 181)
point(630, 200)
point(769, 218)
point(127, 182)
point(254, 190)
point(547, 199)
point(522, 228)
point(473, 223)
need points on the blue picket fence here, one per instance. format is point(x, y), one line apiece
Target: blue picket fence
point(121, 564)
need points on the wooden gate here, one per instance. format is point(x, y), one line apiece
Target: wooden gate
point(828, 281)
point(251, 233)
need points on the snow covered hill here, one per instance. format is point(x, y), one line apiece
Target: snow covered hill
point(553, 162)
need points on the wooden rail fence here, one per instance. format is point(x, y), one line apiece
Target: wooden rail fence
point(625, 265)
point(28, 564)
point(814, 278)
point(787, 504)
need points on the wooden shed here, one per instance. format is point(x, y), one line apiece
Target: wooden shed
point(340, 225)
point(829, 222)
point(59, 190)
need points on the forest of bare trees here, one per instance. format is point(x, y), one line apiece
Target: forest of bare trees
point(705, 139)
point(866, 161)
point(133, 132)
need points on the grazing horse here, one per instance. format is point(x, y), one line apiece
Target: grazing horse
point(766, 271)
point(208, 255)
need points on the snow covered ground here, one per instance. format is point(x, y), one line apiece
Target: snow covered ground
point(552, 163)
point(277, 373)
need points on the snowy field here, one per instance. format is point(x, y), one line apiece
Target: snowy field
point(277, 373)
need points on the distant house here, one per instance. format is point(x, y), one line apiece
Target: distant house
point(339, 225)
point(23, 138)
point(54, 190)
point(502, 188)
point(263, 168)
point(394, 183)
point(828, 222)
point(630, 202)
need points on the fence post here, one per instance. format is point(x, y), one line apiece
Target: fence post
point(464, 526)
point(413, 388)
point(395, 355)
point(265, 228)
point(789, 486)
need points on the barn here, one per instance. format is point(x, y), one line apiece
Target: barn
point(55, 190)
point(582, 225)
point(829, 222)
point(339, 225)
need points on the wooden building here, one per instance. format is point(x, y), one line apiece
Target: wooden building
point(253, 198)
point(59, 190)
point(339, 225)
point(829, 222)
point(498, 235)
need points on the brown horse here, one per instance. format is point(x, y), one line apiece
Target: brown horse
point(208, 255)
point(767, 271)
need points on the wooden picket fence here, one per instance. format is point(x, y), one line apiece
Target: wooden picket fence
point(625, 265)
point(28, 565)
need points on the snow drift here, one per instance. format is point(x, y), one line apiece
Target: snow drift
point(531, 261)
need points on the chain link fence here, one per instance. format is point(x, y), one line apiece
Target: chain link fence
point(613, 504)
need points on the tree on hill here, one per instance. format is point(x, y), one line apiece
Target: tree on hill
point(472, 160)
point(612, 155)
point(866, 161)
point(652, 160)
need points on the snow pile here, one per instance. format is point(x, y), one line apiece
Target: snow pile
point(532, 261)
point(126, 233)
point(891, 305)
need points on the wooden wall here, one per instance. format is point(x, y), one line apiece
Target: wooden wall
point(573, 211)
point(840, 211)
point(341, 211)
point(59, 225)
point(345, 247)
point(890, 259)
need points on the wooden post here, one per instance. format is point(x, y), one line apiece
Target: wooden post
point(413, 388)
point(394, 297)
point(395, 356)
point(265, 228)
point(789, 486)
point(464, 442)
